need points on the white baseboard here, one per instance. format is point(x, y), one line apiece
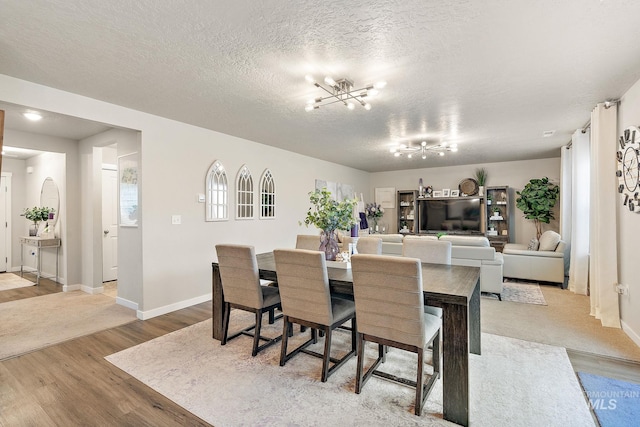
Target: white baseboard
point(92, 291)
point(144, 315)
point(69, 288)
point(631, 333)
point(127, 303)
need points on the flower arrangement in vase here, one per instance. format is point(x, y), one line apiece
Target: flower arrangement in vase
point(374, 212)
point(329, 215)
point(37, 214)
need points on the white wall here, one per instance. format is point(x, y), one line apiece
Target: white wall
point(514, 174)
point(629, 230)
point(176, 259)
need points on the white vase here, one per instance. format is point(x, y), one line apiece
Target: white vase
point(481, 190)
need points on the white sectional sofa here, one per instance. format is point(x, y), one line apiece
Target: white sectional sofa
point(474, 251)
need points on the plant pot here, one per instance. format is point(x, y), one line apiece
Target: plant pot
point(33, 230)
point(481, 190)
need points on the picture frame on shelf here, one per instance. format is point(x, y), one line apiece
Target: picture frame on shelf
point(446, 192)
point(455, 193)
point(437, 193)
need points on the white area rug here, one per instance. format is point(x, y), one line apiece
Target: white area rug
point(12, 281)
point(521, 292)
point(513, 383)
point(32, 323)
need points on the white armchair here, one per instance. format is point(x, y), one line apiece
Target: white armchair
point(545, 264)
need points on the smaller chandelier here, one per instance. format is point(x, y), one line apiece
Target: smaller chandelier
point(422, 149)
point(342, 91)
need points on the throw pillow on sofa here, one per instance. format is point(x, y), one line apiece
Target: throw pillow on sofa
point(533, 245)
point(549, 241)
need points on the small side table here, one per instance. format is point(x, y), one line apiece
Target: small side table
point(39, 243)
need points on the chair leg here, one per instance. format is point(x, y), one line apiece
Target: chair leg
point(327, 355)
point(314, 335)
point(354, 333)
point(359, 369)
point(285, 339)
point(272, 316)
point(436, 354)
point(225, 322)
point(256, 333)
point(419, 381)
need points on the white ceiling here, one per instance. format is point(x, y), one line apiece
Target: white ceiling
point(489, 75)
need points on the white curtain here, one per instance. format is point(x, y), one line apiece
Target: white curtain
point(603, 264)
point(576, 219)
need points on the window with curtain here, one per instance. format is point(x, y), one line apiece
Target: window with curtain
point(244, 194)
point(217, 195)
point(267, 196)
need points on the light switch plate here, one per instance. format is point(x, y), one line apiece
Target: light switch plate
point(201, 198)
point(176, 219)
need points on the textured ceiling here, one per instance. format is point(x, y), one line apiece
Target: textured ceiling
point(490, 76)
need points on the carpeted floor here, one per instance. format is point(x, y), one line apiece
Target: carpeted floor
point(55, 318)
point(616, 403)
point(564, 322)
point(13, 281)
point(520, 292)
point(513, 383)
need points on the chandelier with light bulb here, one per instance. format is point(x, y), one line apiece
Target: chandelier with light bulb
point(422, 149)
point(342, 91)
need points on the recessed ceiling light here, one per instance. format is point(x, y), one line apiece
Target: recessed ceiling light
point(548, 133)
point(32, 115)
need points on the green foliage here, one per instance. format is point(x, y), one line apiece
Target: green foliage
point(537, 200)
point(481, 176)
point(440, 234)
point(328, 214)
point(37, 214)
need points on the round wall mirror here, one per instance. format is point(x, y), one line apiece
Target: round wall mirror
point(50, 198)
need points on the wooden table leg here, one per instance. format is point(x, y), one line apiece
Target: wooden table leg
point(217, 301)
point(455, 364)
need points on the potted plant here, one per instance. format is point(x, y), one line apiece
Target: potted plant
point(536, 201)
point(374, 212)
point(329, 215)
point(37, 214)
point(481, 179)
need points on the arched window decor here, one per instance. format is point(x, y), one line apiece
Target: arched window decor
point(217, 195)
point(244, 194)
point(267, 195)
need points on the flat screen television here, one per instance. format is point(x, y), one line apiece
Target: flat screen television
point(449, 215)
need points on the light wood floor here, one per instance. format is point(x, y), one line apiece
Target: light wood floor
point(71, 383)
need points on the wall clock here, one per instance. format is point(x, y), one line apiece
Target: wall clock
point(628, 172)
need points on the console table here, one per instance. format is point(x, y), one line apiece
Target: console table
point(39, 243)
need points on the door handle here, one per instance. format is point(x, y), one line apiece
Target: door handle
point(106, 232)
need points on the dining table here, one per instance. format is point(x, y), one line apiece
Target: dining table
point(456, 289)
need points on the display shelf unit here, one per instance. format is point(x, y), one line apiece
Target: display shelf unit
point(499, 216)
point(407, 211)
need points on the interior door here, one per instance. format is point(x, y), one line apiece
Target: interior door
point(109, 225)
point(3, 223)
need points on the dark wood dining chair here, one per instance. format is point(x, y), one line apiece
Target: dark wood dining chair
point(307, 301)
point(242, 289)
point(389, 302)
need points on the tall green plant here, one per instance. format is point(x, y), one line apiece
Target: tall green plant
point(537, 200)
point(328, 214)
point(481, 176)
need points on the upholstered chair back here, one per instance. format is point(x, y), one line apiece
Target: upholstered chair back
point(308, 242)
point(369, 245)
point(427, 250)
point(304, 285)
point(387, 291)
point(239, 274)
